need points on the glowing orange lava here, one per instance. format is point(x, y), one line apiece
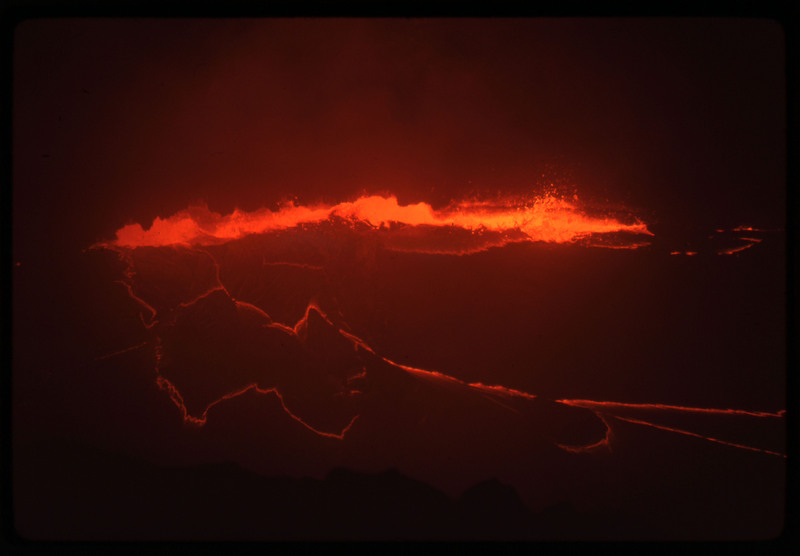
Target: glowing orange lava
point(547, 218)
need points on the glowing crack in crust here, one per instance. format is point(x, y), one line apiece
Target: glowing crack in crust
point(176, 397)
point(499, 395)
point(201, 419)
point(603, 444)
point(604, 410)
point(612, 409)
point(589, 404)
point(545, 219)
point(710, 439)
point(751, 242)
point(727, 242)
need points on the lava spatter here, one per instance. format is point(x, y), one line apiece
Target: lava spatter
point(211, 347)
point(546, 218)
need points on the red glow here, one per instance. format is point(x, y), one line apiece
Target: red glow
point(141, 302)
point(604, 444)
point(632, 245)
point(496, 394)
point(433, 375)
point(602, 408)
point(502, 390)
point(122, 351)
point(298, 330)
point(680, 431)
point(548, 219)
point(589, 404)
point(492, 392)
point(751, 229)
point(203, 418)
point(294, 265)
point(733, 250)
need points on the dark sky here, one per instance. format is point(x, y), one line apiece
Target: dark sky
point(115, 121)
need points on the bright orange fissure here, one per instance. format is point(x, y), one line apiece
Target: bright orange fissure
point(546, 218)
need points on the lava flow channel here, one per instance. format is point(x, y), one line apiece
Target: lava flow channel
point(546, 218)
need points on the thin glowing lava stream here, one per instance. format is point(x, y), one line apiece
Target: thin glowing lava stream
point(547, 218)
point(508, 398)
point(611, 409)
